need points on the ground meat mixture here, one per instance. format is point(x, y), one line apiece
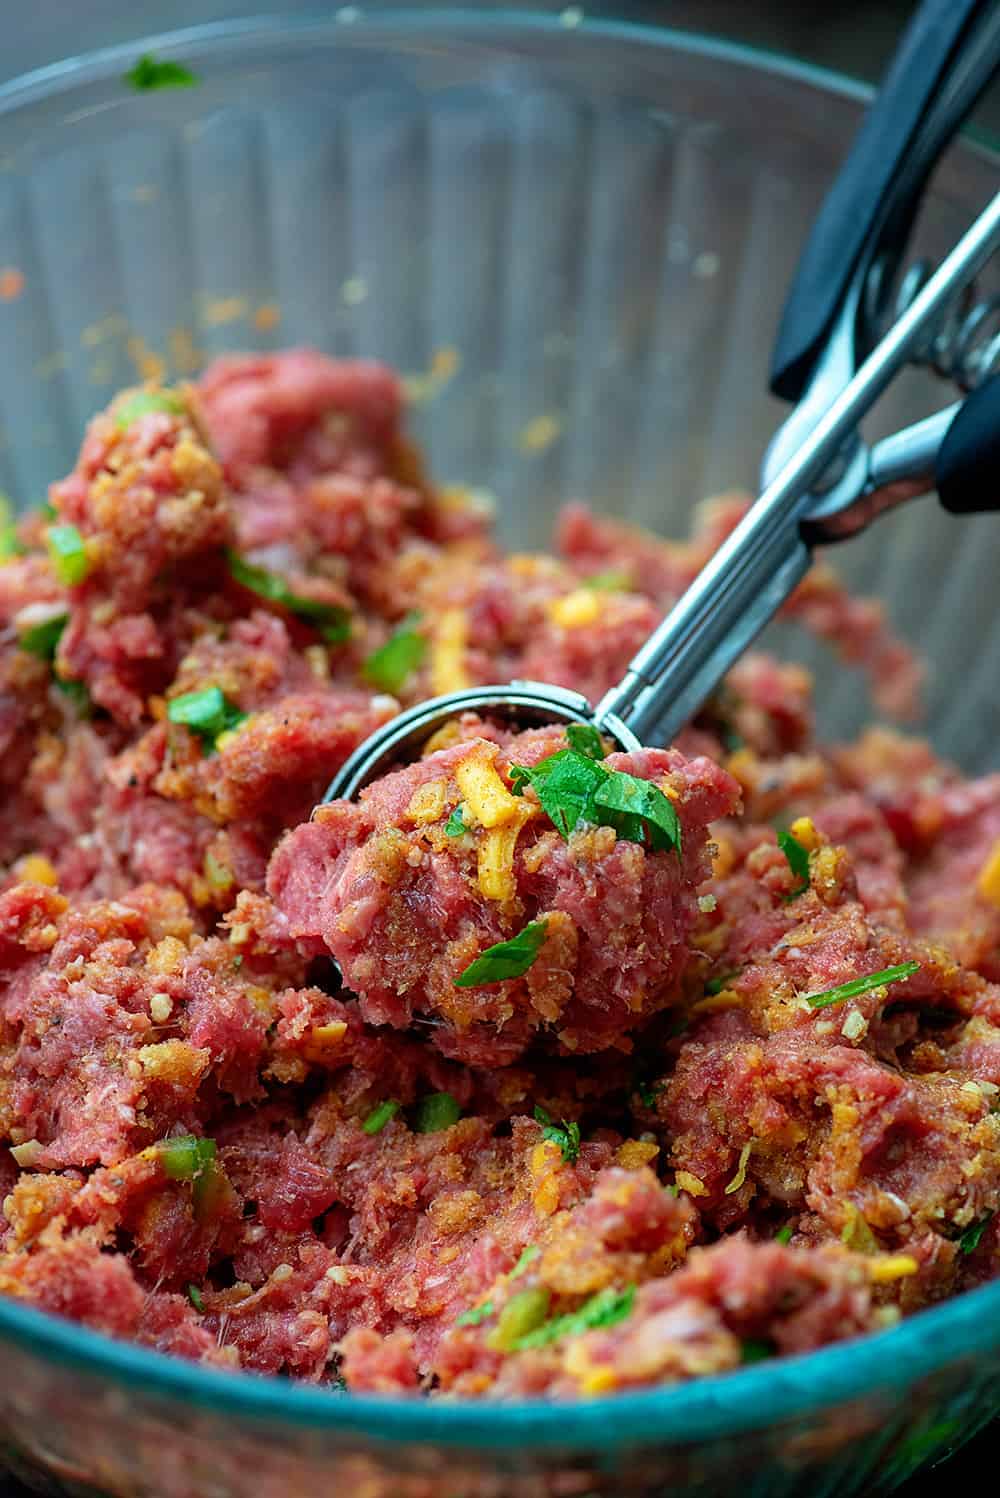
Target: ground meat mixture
point(541, 1070)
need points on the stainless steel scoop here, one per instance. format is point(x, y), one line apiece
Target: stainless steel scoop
point(821, 481)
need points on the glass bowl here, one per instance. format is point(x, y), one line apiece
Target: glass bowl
point(575, 238)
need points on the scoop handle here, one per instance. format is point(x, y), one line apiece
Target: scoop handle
point(948, 53)
point(967, 472)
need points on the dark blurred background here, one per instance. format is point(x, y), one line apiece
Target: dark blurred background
point(850, 36)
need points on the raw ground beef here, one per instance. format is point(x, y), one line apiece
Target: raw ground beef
point(638, 1155)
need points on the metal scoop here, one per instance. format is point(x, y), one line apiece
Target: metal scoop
point(821, 482)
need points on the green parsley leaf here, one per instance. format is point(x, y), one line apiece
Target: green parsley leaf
point(606, 1308)
point(798, 862)
point(528, 1256)
point(566, 1135)
point(969, 1240)
point(207, 713)
point(585, 739)
point(475, 1315)
point(716, 985)
point(862, 985)
point(505, 959)
point(151, 73)
point(565, 783)
point(186, 1157)
point(145, 401)
point(755, 1350)
point(77, 694)
point(194, 1296)
point(784, 1235)
point(69, 554)
point(455, 825)
point(436, 1112)
point(638, 810)
point(609, 582)
point(43, 639)
point(572, 787)
point(521, 1316)
point(391, 666)
point(645, 1089)
point(380, 1116)
point(331, 620)
point(47, 512)
point(10, 544)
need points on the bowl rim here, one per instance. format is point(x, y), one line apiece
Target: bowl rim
point(761, 1395)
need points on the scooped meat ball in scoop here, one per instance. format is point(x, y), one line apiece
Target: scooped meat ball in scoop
point(510, 884)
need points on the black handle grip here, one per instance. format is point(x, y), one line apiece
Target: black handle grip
point(967, 471)
point(947, 55)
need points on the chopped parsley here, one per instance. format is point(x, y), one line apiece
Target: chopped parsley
point(573, 787)
point(716, 985)
point(331, 620)
point(969, 1240)
point(437, 1111)
point(68, 552)
point(455, 825)
point(390, 667)
point(798, 862)
point(784, 1235)
point(151, 73)
point(194, 1296)
point(585, 739)
point(645, 1089)
point(380, 1116)
point(76, 693)
point(638, 810)
point(566, 1135)
point(190, 1158)
point(475, 1315)
point(604, 1309)
point(528, 1256)
point(505, 959)
point(186, 1157)
point(755, 1350)
point(207, 713)
point(145, 401)
point(608, 582)
point(10, 543)
point(43, 639)
point(523, 1314)
point(862, 985)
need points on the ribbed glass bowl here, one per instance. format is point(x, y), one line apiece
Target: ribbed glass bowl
point(575, 239)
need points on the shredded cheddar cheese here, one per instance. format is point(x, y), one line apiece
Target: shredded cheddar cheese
point(803, 830)
point(884, 1271)
point(37, 869)
point(575, 610)
point(726, 998)
point(988, 883)
point(448, 673)
point(495, 862)
point(485, 794)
